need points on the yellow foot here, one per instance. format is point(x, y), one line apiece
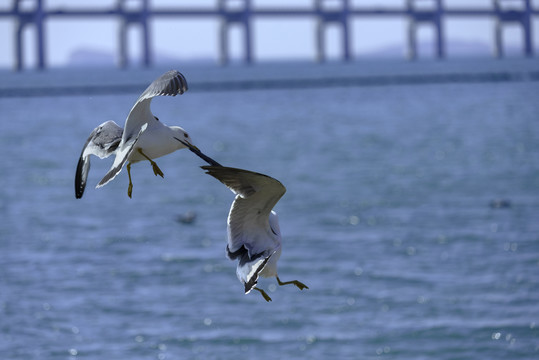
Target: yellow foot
point(156, 170)
point(266, 296)
point(300, 285)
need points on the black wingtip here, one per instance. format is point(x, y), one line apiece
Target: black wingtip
point(177, 84)
point(251, 283)
point(183, 84)
point(80, 177)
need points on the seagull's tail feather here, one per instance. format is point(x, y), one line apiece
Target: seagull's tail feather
point(249, 267)
point(254, 268)
point(83, 167)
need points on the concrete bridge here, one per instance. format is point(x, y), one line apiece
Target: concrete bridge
point(33, 14)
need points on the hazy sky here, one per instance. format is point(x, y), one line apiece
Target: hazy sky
point(275, 39)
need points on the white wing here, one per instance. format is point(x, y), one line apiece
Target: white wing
point(170, 83)
point(248, 219)
point(122, 154)
point(102, 142)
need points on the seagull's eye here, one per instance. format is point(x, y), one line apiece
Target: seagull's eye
point(156, 118)
point(185, 135)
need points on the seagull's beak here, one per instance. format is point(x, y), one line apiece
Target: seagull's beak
point(199, 153)
point(192, 147)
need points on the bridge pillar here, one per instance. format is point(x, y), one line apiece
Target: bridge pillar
point(231, 16)
point(33, 17)
point(335, 15)
point(431, 16)
point(521, 16)
point(138, 16)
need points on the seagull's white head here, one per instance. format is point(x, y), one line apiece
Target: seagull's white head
point(180, 134)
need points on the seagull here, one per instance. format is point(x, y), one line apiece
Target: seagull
point(254, 237)
point(143, 137)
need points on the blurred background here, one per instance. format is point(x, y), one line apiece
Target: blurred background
point(406, 133)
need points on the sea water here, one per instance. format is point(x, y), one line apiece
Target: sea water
point(411, 212)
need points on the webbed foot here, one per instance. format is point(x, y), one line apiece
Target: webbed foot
point(266, 296)
point(299, 284)
point(156, 169)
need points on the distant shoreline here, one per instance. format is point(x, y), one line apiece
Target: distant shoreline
point(292, 83)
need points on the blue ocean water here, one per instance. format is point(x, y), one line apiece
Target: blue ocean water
point(411, 212)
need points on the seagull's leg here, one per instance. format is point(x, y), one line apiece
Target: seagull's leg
point(266, 296)
point(130, 187)
point(300, 285)
point(156, 169)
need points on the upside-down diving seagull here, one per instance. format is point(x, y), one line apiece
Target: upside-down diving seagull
point(254, 237)
point(143, 137)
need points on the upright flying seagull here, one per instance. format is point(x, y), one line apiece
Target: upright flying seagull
point(143, 137)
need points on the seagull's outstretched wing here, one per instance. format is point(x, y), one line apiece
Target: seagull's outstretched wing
point(102, 142)
point(248, 219)
point(170, 83)
point(122, 154)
